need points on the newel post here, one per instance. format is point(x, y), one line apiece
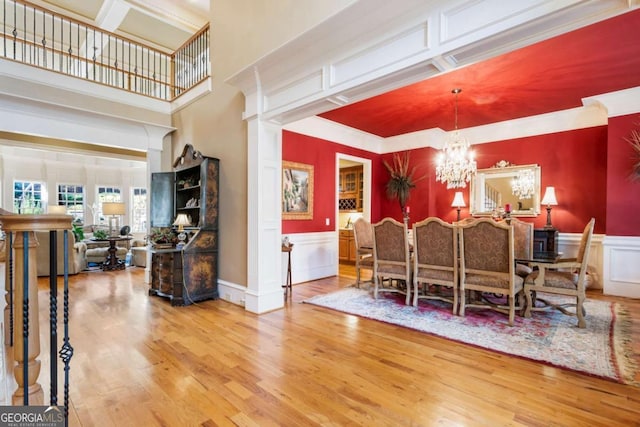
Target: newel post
point(26, 325)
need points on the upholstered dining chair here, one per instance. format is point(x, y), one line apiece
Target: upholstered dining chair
point(363, 235)
point(391, 258)
point(522, 245)
point(563, 277)
point(435, 260)
point(487, 266)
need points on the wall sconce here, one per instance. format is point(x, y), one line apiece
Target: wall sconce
point(182, 220)
point(458, 202)
point(549, 199)
point(114, 209)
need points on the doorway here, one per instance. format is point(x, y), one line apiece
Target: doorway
point(353, 196)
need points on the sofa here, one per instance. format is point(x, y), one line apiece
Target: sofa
point(77, 253)
point(138, 253)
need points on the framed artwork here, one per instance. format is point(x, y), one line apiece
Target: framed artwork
point(297, 191)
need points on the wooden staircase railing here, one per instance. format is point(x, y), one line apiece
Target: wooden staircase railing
point(21, 314)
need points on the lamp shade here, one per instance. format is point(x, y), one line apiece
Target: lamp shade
point(113, 208)
point(181, 221)
point(549, 198)
point(57, 209)
point(458, 200)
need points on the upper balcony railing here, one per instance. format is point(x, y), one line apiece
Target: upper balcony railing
point(41, 38)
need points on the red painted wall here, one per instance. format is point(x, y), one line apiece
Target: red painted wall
point(322, 155)
point(574, 162)
point(588, 167)
point(623, 195)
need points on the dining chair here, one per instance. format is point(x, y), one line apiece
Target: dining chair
point(522, 245)
point(435, 260)
point(391, 258)
point(563, 277)
point(487, 267)
point(363, 235)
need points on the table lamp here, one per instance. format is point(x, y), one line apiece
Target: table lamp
point(114, 209)
point(181, 221)
point(549, 199)
point(458, 202)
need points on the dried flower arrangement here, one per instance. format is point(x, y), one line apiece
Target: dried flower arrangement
point(634, 140)
point(401, 180)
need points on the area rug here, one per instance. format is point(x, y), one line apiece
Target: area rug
point(602, 349)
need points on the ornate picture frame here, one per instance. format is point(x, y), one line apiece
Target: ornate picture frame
point(297, 190)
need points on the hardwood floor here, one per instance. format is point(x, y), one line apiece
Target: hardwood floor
point(140, 362)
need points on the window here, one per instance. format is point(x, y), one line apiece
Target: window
point(139, 209)
point(72, 197)
point(28, 197)
point(107, 194)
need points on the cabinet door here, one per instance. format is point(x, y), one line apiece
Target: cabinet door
point(352, 249)
point(162, 199)
point(343, 249)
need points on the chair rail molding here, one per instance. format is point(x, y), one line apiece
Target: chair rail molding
point(621, 270)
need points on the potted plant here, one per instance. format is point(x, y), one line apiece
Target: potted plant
point(401, 180)
point(162, 237)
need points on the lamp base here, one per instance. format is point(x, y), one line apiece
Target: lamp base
point(181, 240)
point(114, 226)
point(548, 225)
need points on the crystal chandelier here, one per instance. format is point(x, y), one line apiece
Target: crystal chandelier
point(523, 184)
point(455, 163)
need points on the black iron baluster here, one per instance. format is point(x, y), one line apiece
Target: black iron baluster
point(44, 40)
point(25, 317)
point(53, 313)
point(11, 280)
point(66, 352)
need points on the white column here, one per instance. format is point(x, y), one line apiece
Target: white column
point(264, 287)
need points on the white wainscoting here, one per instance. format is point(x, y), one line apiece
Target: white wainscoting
point(621, 273)
point(314, 256)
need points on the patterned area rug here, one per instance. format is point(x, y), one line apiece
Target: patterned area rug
point(548, 336)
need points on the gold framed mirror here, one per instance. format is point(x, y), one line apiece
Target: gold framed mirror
point(505, 183)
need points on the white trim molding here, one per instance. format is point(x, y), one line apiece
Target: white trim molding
point(621, 262)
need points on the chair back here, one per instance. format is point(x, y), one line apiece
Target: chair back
point(522, 239)
point(487, 245)
point(584, 249)
point(363, 233)
point(391, 247)
point(435, 244)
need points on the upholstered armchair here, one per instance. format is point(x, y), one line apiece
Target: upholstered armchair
point(563, 277)
point(77, 253)
point(391, 258)
point(487, 267)
point(435, 262)
point(363, 235)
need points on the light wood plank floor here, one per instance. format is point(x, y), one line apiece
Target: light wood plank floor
point(140, 362)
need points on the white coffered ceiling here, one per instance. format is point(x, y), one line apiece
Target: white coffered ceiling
point(164, 24)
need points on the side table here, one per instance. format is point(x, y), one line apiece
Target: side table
point(288, 286)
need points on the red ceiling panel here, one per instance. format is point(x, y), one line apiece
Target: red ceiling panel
point(548, 76)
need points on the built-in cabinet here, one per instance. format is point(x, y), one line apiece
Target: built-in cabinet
point(350, 189)
point(189, 274)
point(346, 246)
